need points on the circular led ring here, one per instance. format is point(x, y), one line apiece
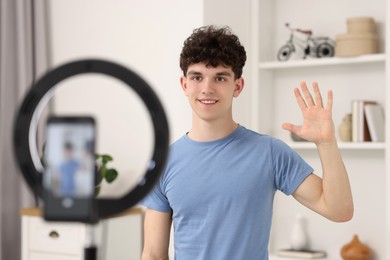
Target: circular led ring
point(22, 131)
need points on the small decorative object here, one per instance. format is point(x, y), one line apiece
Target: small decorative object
point(361, 38)
point(317, 47)
point(298, 239)
point(345, 129)
point(356, 250)
point(299, 247)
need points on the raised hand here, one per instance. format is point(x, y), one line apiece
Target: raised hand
point(318, 126)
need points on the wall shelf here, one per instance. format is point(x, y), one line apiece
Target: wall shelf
point(372, 58)
point(359, 77)
point(342, 145)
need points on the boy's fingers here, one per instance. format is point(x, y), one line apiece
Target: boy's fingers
point(306, 92)
point(301, 102)
point(317, 94)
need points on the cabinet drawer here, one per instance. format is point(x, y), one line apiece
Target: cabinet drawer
point(56, 237)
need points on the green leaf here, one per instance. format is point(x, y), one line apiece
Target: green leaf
point(103, 171)
point(99, 178)
point(106, 158)
point(97, 190)
point(111, 175)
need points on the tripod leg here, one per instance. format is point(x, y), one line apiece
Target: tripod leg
point(90, 250)
point(90, 253)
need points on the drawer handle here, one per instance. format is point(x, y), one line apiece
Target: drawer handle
point(54, 234)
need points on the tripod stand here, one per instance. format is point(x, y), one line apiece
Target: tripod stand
point(90, 249)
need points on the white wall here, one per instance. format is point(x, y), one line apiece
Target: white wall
point(235, 14)
point(145, 36)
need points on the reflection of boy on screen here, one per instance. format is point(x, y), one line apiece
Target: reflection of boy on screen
point(84, 183)
point(68, 169)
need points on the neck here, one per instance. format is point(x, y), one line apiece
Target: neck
point(205, 131)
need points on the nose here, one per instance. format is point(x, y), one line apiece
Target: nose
point(208, 86)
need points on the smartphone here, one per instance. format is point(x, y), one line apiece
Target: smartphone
point(69, 175)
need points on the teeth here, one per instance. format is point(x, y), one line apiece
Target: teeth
point(208, 101)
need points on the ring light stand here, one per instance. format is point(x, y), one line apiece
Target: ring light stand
point(24, 132)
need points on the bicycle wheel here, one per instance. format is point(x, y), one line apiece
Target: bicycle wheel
point(325, 49)
point(284, 52)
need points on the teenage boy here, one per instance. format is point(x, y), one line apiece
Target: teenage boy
point(219, 183)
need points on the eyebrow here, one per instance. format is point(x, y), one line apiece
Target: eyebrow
point(192, 72)
point(222, 73)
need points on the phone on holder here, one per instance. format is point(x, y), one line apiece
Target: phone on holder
point(70, 170)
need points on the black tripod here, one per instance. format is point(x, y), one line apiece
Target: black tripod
point(90, 249)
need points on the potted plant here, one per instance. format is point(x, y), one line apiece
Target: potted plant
point(103, 172)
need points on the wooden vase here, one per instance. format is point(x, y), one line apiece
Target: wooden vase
point(356, 250)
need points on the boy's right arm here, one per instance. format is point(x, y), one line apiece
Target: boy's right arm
point(157, 227)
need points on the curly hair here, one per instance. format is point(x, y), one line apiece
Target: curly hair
point(214, 46)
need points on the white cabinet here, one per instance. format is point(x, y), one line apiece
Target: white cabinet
point(48, 256)
point(118, 237)
point(61, 238)
point(273, 103)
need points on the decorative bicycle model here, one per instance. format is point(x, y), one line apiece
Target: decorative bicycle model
point(317, 47)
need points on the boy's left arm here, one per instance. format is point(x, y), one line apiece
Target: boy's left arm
point(330, 195)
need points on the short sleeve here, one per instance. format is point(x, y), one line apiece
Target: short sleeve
point(156, 199)
point(289, 168)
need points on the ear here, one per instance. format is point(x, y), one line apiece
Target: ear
point(239, 87)
point(183, 83)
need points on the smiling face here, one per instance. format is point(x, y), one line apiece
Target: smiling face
point(210, 91)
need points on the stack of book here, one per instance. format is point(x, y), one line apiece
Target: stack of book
point(368, 121)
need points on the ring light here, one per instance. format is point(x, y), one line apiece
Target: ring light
point(25, 130)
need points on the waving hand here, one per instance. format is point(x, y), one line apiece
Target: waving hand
point(318, 126)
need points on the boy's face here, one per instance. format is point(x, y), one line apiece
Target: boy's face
point(210, 91)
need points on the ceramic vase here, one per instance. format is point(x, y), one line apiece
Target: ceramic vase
point(298, 239)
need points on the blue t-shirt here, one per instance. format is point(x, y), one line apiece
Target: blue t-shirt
point(221, 193)
point(68, 171)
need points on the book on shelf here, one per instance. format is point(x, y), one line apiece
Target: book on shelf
point(375, 122)
point(360, 128)
point(301, 254)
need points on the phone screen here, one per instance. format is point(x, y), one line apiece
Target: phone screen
point(69, 159)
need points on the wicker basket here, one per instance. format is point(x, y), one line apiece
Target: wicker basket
point(356, 44)
point(361, 38)
point(361, 25)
